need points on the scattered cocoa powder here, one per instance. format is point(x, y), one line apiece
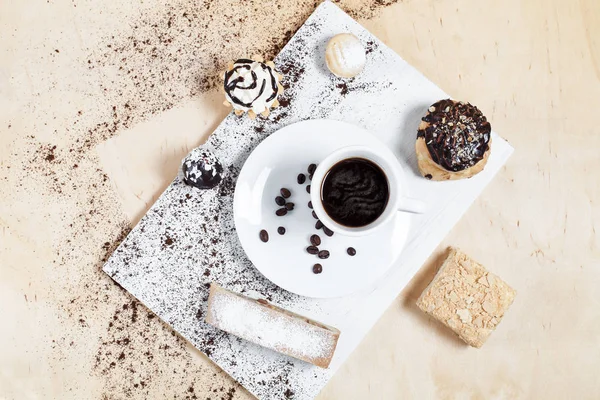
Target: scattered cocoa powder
point(172, 52)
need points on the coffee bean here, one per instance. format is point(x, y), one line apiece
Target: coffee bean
point(351, 251)
point(310, 177)
point(314, 214)
point(280, 201)
point(323, 254)
point(319, 225)
point(327, 231)
point(281, 212)
point(289, 206)
point(317, 268)
point(312, 250)
point(301, 179)
point(307, 188)
point(281, 230)
point(310, 204)
point(285, 193)
point(264, 236)
point(315, 240)
point(312, 168)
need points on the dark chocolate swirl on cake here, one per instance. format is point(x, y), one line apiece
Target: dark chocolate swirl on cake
point(458, 134)
point(251, 85)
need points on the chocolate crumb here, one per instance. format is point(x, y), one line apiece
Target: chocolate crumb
point(343, 88)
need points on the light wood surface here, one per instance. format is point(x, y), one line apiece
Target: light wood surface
point(68, 332)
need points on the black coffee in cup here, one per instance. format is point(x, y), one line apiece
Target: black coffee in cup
point(355, 192)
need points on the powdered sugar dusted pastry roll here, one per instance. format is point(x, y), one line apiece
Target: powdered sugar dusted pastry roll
point(252, 86)
point(345, 55)
point(453, 141)
point(262, 323)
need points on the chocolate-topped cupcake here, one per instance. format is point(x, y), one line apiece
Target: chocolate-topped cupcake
point(252, 86)
point(453, 141)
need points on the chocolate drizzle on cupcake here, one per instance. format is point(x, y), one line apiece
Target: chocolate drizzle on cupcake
point(457, 135)
point(251, 85)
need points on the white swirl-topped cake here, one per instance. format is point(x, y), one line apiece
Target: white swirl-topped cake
point(252, 86)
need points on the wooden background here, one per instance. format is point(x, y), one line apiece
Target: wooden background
point(97, 108)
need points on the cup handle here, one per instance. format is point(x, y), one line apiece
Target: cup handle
point(411, 205)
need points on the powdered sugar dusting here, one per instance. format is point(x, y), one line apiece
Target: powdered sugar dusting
point(345, 55)
point(200, 154)
point(257, 323)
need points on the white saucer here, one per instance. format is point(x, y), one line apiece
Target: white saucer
point(275, 164)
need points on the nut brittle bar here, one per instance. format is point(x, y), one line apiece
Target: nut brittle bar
point(467, 298)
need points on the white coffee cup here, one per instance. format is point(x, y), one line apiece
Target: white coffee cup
point(381, 156)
